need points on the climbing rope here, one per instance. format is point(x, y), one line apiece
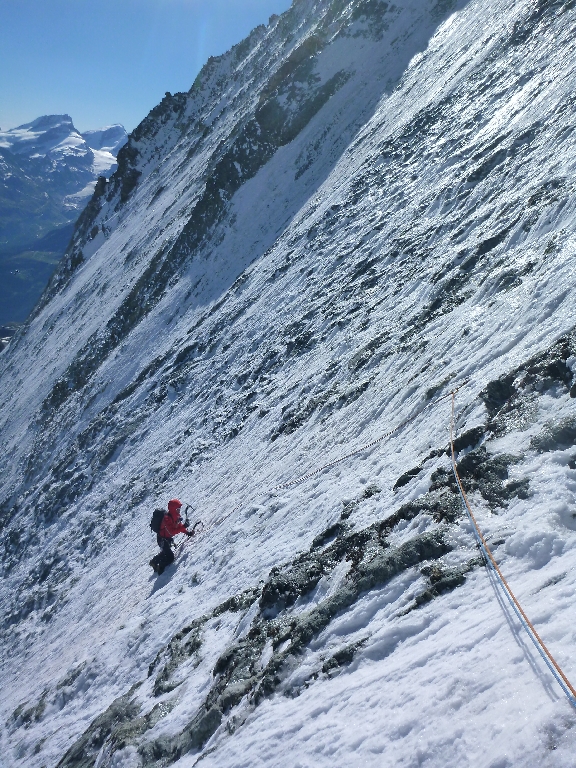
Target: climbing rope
point(340, 459)
point(551, 663)
point(366, 447)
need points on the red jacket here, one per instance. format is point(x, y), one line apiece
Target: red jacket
point(171, 525)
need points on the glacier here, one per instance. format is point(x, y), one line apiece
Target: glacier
point(355, 210)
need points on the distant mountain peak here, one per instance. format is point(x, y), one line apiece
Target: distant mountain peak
point(50, 133)
point(110, 138)
point(47, 121)
point(48, 171)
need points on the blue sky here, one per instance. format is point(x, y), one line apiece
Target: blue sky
point(111, 61)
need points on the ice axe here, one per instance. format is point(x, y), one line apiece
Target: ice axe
point(187, 521)
point(196, 524)
point(187, 538)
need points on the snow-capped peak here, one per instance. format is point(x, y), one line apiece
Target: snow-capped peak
point(55, 135)
point(41, 136)
point(108, 139)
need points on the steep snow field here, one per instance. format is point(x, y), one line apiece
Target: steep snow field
point(355, 210)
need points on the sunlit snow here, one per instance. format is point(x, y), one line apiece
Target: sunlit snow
point(416, 232)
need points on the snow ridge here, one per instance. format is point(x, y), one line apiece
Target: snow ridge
point(353, 211)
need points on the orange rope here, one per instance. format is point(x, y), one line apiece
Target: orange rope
point(536, 639)
point(533, 634)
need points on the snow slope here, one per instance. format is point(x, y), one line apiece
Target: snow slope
point(354, 210)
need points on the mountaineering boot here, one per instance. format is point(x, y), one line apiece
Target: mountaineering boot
point(154, 564)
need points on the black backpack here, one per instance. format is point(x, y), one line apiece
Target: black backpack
point(156, 521)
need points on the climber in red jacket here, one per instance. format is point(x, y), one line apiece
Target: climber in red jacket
point(170, 526)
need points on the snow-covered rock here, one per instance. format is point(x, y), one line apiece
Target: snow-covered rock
point(356, 209)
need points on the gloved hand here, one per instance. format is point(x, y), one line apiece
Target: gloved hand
point(189, 533)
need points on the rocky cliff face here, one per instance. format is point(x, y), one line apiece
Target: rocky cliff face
point(357, 208)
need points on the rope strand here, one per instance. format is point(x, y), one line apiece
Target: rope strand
point(551, 663)
point(313, 473)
